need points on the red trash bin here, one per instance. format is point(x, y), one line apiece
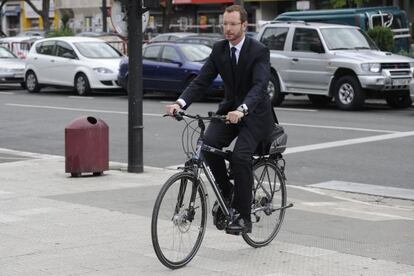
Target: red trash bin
point(86, 146)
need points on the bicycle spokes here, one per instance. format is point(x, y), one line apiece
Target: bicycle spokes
point(269, 195)
point(177, 238)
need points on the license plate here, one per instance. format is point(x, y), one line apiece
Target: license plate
point(401, 82)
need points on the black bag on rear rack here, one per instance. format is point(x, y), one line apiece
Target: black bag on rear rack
point(276, 142)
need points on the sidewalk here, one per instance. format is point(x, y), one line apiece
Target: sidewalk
point(52, 224)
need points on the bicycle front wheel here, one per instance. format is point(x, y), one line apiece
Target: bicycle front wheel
point(269, 200)
point(179, 220)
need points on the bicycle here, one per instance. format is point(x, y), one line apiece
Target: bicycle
point(180, 212)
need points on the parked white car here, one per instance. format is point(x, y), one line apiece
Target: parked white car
point(81, 62)
point(11, 67)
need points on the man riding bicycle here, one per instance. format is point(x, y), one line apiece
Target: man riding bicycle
point(243, 64)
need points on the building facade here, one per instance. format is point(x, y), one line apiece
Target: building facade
point(185, 15)
point(86, 15)
point(18, 16)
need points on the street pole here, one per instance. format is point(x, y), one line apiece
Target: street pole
point(135, 127)
point(104, 16)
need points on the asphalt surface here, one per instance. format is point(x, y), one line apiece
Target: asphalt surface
point(349, 177)
point(373, 146)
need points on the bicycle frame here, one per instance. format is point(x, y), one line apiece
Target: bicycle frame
point(197, 163)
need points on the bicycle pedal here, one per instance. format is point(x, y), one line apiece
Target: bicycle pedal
point(235, 233)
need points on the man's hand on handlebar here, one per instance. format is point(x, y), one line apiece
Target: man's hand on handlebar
point(234, 117)
point(172, 109)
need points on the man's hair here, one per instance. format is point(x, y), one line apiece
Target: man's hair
point(240, 9)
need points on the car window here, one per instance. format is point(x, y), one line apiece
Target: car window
point(97, 50)
point(152, 52)
point(4, 53)
point(46, 48)
point(274, 38)
point(387, 20)
point(195, 52)
point(347, 39)
point(170, 54)
point(63, 48)
point(306, 40)
point(160, 38)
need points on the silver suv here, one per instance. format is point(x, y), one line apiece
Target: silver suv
point(326, 61)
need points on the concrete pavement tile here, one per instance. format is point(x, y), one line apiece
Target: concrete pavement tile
point(366, 266)
point(59, 182)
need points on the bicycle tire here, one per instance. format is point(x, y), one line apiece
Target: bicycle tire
point(177, 216)
point(266, 225)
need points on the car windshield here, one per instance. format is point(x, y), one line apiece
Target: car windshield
point(6, 54)
point(196, 52)
point(97, 50)
point(347, 39)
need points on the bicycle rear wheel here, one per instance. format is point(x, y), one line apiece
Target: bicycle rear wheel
point(269, 198)
point(178, 226)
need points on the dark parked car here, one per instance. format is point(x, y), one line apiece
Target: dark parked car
point(169, 66)
point(165, 37)
point(207, 40)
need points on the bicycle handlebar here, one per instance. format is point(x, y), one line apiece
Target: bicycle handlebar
point(211, 116)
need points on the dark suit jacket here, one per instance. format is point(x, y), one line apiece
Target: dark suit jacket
point(250, 87)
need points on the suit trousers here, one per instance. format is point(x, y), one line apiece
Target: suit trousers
point(221, 135)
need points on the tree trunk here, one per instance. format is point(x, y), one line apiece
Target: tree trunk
point(45, 15)
point(168, 12)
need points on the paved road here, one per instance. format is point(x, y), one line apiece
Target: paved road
point(51, 224)
point(373, 146)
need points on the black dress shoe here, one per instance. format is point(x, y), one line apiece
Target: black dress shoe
point(239, 225)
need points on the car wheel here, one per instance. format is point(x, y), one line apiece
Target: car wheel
point(402, 100)
point(349, 94)
point(320, 100)
point(273, 90)
point(31, 82)
point(82, 85)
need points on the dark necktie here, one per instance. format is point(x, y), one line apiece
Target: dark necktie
point(233, 62)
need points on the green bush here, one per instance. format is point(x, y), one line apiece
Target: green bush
point(383, 37)
point(64, 32)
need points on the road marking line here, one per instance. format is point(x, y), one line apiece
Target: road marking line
point(27, 154)
point(297, 109)
point(341, 128)
point(348, 142)
point(7, 93)
point(12, 158)
point(67, 108)
point(342, 143)
point(278, 108)
point(81, 97)
point(79, 109)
